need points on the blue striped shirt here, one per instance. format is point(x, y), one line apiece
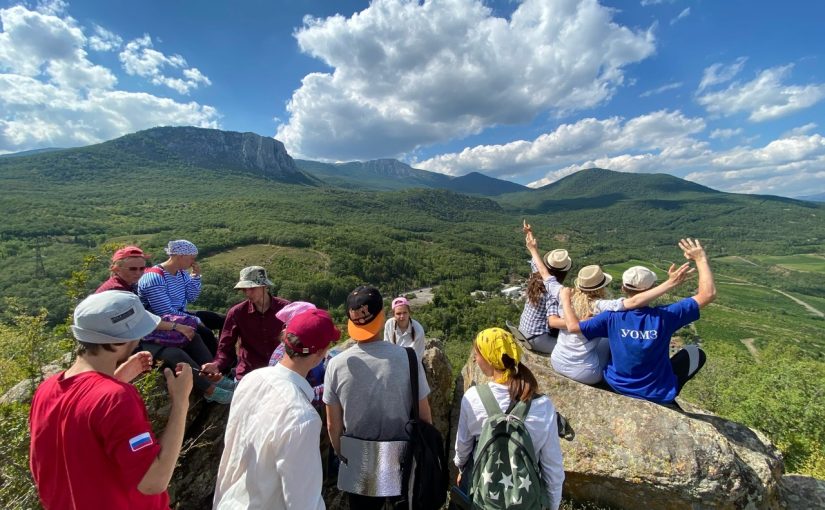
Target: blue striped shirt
point(167, 293)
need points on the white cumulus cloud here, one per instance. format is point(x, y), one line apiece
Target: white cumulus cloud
point(764, 98)
point(141, 59)
point(411, 74)
point(104, 40)
point(53, 95)
point(573, 143)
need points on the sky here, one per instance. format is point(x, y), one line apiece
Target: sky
point(729, 94)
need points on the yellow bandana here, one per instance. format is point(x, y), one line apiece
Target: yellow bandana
point(492, 344)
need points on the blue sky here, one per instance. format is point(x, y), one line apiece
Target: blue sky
point(729, 94)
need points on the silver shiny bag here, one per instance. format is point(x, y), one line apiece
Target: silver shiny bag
point(371, 468)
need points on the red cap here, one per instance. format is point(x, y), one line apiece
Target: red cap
point(129, 251)
point(314, 329)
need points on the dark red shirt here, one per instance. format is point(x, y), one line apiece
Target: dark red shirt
point(257, 335)
point(115, 283)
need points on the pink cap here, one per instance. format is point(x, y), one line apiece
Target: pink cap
point(291, 310)
point(129, 251)
point(399, 301)
point(315, 330)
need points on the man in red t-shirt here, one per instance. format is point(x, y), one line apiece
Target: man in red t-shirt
point(92, 445)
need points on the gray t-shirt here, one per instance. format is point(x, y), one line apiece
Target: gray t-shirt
point(371, 382)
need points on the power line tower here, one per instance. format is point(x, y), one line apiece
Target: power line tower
point(39, 268)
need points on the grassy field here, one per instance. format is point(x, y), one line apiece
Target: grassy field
point(806, 262)
point(278, 260)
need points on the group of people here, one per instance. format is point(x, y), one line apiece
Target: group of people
point(92, 444)
point(622, 343)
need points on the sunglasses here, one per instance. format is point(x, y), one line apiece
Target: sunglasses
point(140, 268)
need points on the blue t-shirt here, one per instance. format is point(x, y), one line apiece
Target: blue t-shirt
point(639, 344)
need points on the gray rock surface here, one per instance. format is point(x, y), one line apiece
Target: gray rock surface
point(800, 492)
point(633, 454)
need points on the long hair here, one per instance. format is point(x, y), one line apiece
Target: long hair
point(521, 382)
point(558, 273)
point(535, 289)
point(584, 301)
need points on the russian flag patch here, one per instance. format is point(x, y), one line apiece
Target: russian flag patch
point(140, 441)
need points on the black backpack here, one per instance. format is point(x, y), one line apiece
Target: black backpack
point(425, 472)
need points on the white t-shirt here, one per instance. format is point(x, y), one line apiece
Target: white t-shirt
point(271, 456)
point(540, 423)
point(573, 348)
point(405, 338)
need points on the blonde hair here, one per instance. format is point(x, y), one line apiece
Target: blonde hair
point(584, 301)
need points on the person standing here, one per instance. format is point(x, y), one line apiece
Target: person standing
point(498, 356)
point(365, 394)
point(92, 445)
point(402, 329)
point(271, 456)
point(252, 329)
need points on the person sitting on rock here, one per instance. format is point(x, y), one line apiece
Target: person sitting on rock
point(498, 356)
point(640, 339)
point(584, 360)
point(173, 341)
point(540, 322)
point(271, 457)
point(402, 329)
point(252, 329)
point(166, 289)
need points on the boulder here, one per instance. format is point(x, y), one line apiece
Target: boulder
point(629, 453)
point(800, 492)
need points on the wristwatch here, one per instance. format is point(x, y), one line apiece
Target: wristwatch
point(174, 326)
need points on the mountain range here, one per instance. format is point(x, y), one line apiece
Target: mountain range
point(190, 149)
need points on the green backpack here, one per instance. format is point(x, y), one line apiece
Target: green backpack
point(506, 473)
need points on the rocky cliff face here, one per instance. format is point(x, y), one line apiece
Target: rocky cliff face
point(212, 148)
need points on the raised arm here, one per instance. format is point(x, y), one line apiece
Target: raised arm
point(533, 248)
point(707, 288)
point(675, 278)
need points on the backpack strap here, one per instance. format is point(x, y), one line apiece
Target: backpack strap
point(412, 359)
point(154, 269)
point(488, 399)
point(520, 409)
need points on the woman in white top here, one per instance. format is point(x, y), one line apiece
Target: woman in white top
point(402, 329)
point(498, 355)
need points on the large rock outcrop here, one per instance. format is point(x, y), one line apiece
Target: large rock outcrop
point(633, 454)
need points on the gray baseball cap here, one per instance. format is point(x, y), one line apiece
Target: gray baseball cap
point(253, 276)
point(112, 317)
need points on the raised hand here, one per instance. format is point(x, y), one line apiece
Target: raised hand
point(691, 249)
point(531, 242)
point(525, 227)
point(677, 275)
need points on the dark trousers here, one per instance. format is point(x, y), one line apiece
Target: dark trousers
point(686, 363)
point(194, 353)
point(211, 321)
